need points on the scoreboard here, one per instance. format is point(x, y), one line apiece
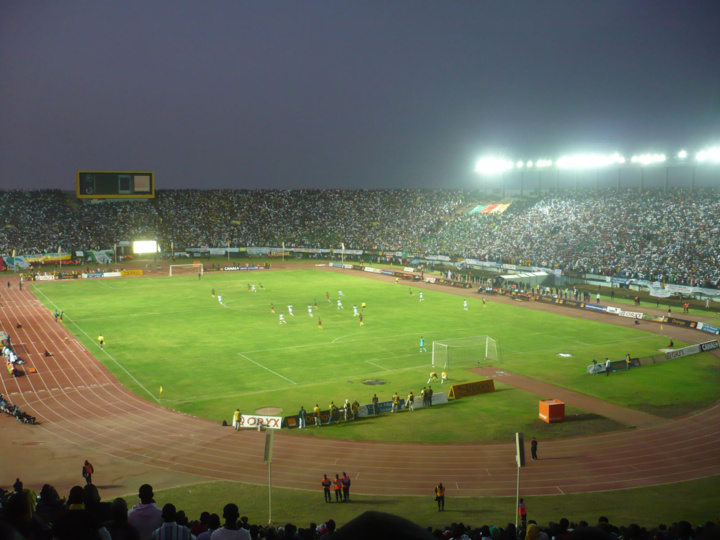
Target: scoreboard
point(115, 185)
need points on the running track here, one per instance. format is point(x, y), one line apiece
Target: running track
point(84, 413)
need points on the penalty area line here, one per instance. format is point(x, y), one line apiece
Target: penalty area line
point(268, 369)
point(377, 365)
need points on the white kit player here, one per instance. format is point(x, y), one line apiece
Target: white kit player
point(421, 297)
point(220, 299)
point(290, 311)
point(465, 305)
point(340, 306)
point(355, 311)
point(282, 319)
point(310, 311)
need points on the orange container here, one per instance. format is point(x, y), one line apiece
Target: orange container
point(552, 410)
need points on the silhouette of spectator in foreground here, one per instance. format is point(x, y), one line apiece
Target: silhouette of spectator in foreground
point(146, 516)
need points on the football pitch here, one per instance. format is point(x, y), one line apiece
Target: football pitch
point(210, 358)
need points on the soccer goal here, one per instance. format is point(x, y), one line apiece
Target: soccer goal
point(467, 352)
point(186, 269)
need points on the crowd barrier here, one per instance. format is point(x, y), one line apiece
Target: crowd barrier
point(365, 410)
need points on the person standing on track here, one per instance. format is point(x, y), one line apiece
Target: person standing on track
point(345, 487)
point(87, 472)
point(101, 341)
point(440, 497)
point(338, 488)
point(326, 483)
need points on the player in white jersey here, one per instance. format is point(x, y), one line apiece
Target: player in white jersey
point(290, 311)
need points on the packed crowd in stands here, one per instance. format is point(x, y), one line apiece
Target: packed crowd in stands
point(657, 235)
point(387, 219)
point(83, 515)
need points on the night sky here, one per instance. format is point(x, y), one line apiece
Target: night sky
point(345, 94)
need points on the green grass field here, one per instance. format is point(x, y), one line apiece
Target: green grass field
point(210, 358)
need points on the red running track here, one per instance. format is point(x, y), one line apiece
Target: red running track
point(85, 413)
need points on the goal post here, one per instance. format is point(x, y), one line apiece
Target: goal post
point(186, 269)
point(467, 352)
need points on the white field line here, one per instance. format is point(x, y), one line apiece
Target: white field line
point(111, 357)
point(376, 365)
point(266, 368)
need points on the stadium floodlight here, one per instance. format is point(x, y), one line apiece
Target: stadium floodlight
point(144, 246)
point(519, 165)
point(543, 163)
point(529, 164)
point(589, 161)
point(682, 154)
point(493, 165)
point(648, 159)
point(711, 155)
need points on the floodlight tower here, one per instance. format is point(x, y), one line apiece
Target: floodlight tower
point(541, 164)
point(709, 156)
point(493, 166)
point(648, 159)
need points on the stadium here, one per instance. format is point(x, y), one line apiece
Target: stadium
point(304, 270)
point(154, 403)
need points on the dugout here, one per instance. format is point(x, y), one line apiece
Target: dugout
point(530, 279)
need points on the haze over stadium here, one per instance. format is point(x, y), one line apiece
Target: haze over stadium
point(485, 198)
point(346, 95)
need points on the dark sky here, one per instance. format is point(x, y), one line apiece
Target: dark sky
point(338, 93)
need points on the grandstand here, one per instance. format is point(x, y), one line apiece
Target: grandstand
point(558, 231)
point(660, 235)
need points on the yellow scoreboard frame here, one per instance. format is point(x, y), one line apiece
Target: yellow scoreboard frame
point(115, 185)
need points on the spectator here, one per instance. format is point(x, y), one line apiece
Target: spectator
point(231, 530)
point(170, 529)
point(146, 516)
point(118, 525)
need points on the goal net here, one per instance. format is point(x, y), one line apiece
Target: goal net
point(186, 269)
point(467, 352)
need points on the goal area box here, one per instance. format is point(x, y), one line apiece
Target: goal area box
point(186, 269)
point(467, 352)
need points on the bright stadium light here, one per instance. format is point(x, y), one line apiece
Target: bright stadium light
point(529, 164)
point(493, 165)
point(648, 159)
point(519, 165)
point(543, 163)
point(711, 155)
point(589, 161)
point(682, 154)
point(144, 246)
